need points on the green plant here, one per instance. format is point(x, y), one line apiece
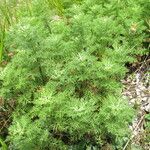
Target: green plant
point(3, 146)
point(8, 14)
point(65, 76)
point(147, 130)
point(61, 5)
point(2, 37)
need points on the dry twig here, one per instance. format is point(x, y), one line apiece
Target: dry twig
point(140, 121)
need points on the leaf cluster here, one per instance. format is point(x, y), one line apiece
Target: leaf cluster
point(65, 76)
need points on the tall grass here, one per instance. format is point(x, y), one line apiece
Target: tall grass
point(2, 38)
point(60, 5)
point(12, 10)
point(56, 4)
point(9, 16)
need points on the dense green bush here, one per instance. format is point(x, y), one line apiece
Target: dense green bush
point(65, 76)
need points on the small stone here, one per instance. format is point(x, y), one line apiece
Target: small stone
point(147, 108)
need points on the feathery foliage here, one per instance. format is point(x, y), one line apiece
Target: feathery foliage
point(65, 76)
